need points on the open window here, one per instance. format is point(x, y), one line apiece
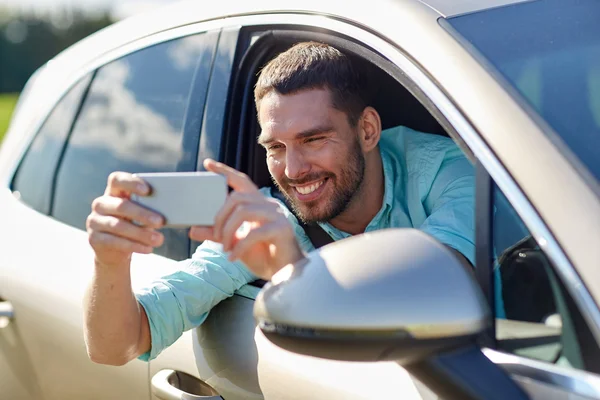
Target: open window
point(397, 99)
point(390, 93)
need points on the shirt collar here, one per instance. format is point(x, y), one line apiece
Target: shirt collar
point(388, 179)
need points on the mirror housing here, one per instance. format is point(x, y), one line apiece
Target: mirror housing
point(394, 294)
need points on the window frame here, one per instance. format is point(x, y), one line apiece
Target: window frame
point(49, 185)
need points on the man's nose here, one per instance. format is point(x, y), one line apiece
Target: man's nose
point(296, 164)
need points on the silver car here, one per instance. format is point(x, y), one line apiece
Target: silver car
point(515, 83)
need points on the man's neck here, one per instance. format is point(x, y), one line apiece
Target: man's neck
point(368, 200)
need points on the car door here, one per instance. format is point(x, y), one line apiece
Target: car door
point(289, 376)
point(139, 109)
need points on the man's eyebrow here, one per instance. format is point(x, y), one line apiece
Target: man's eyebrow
point(314, 132)
point(301, 135)
point(263, 141)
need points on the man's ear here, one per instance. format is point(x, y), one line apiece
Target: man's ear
point(370, 128)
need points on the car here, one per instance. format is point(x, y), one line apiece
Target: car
point(514, 83)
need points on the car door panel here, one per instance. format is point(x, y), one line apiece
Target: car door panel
point(44, 275)
point(220, 352)
point(18, 378)
point(235, 358)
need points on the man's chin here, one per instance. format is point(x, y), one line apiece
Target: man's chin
point(310, 212)
point(311, 216)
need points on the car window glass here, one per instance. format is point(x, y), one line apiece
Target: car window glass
point(550, 54)
point(33, 180)
point(540, 315)
point(132, 120)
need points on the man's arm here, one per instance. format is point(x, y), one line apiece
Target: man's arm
point(121, 325)
point(116, 330)
point(183, 299)
point(116, 326)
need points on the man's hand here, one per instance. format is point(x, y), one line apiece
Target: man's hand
point(112, 234)
point(267, 241)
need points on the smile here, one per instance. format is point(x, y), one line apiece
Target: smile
point(308, 189)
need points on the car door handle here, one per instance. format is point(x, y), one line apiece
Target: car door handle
point(168, 384)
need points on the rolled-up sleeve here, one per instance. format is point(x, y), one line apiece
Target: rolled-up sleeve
point(182, 300)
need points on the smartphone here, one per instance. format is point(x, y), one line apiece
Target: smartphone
point(184, 199)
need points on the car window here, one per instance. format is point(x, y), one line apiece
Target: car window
point(540, 320)
point(33, 180)
point(133, 119)
point(550, 53)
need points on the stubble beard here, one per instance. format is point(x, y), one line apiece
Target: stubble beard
point(345, 189)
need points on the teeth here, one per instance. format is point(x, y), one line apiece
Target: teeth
point(308, 189)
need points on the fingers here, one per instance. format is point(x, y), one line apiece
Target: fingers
point(123, 184)
point(257, 214)
point(268, 234)
point(111, 233)
point(124, 229)
point(126, 209)
point(237, 180)
point(202, 233)
point(234, 200)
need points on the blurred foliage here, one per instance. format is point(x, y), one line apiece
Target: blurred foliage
point(28, 41)
point(7, 105)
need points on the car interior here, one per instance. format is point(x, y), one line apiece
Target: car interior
point(399, 102)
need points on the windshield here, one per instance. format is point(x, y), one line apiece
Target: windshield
point(550, 52)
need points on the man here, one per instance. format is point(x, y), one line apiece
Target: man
point(326, 152)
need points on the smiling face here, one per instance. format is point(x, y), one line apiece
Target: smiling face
point(314, 154)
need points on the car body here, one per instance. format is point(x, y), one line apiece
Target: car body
point(164, 90)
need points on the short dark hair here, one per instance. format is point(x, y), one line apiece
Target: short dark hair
point(313, 65)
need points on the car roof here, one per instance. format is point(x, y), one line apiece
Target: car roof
point(188, 12)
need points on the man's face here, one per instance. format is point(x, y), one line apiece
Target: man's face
point(313, 153)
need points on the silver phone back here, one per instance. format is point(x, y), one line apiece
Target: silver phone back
point(185, 198)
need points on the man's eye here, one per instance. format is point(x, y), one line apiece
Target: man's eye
point(274, 147)
point(313, 139)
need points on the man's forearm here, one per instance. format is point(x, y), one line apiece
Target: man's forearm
point(116, 327)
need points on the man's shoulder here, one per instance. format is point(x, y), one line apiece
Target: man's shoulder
point(424, 157)
point(407, 139)
point(418, 151)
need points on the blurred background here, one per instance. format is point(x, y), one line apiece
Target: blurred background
point(34, 31)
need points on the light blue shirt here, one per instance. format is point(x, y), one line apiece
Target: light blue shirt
point(429, 185)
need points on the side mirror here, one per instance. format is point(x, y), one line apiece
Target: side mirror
point(394, 294)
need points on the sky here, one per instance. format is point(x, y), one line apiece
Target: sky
point(118, 8)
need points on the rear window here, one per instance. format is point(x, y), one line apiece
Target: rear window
point(549, 51)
